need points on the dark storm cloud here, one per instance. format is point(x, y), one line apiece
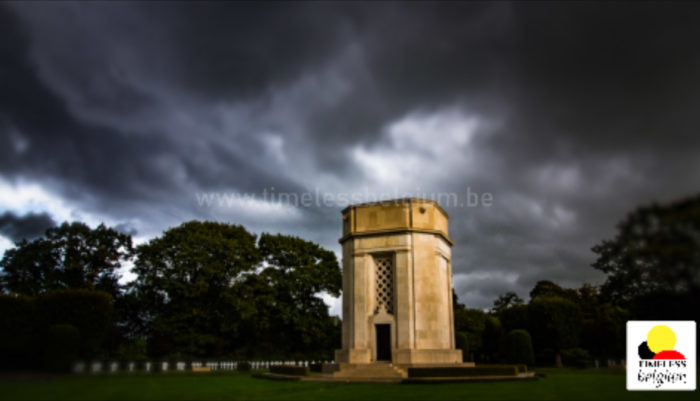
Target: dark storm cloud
point(239, 50)
point(42, 138)
point(583, 111)
point(27, 227)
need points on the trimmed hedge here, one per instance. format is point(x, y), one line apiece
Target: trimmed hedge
point(521, 367)
point(36, 334)
point(21, 333)
point(62, 347)
point(462, 342)
point(330, 368)
point(291, 370)
point(91, 312)
point(495, 370)
point(519, 347)
point(576, 357)
point(316, 367)
point(244, 366)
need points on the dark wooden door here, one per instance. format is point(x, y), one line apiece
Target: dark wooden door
point(383, 342)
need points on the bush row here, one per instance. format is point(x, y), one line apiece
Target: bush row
point(51, 330)
point(503, 370)
point(289, 370)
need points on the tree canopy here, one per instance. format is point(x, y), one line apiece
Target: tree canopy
point(72, 255)
point(213, 288)
point(185, 283)
point(653, 263)
point(505, 301)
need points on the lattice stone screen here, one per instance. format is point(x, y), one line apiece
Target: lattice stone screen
point(385, 283)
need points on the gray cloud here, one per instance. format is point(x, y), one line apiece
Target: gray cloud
point(574, 114)
point(28, 227)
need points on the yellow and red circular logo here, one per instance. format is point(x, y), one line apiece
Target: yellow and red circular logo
point(660, 344)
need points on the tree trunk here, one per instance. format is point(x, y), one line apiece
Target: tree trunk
point(557, 360)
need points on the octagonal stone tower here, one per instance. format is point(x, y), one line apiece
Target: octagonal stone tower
point(397, 284)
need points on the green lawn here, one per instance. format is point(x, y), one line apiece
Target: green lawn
point(558, 385)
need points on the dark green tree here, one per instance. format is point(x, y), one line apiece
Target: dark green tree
point(514, 317)
point(90, 312)
point(471, 322)
point(186, 281)
point(505, 301)
point(493, 340)
point(71, 255)
point(298, 272)
point(462, 343)
point(653, 263)
point(546, 288)
point(603, 331)
point(555, 323)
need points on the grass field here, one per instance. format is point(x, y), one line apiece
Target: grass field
point(560, 384)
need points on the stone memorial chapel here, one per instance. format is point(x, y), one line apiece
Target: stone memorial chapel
point(397, 284)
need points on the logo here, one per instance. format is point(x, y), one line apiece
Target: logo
point(661, 355)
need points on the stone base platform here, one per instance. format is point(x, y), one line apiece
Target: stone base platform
point(401, 356)
point(385, 372)
point(376, 370)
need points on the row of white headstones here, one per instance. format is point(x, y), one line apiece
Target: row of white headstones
point(113, 367)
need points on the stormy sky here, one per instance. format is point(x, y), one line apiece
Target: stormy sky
point(145, 115)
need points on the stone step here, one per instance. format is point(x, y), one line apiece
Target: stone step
point(373, 365)
point(366, 373)
point(369, 371)
point(402, 372)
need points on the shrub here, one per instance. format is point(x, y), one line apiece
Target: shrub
point(289, 370)
point(132, 350)
point(316, 367)
point(62, 347)
point(521, 367)
point(576, 357)
point(519, 347)
point(502, 370)
point(494, 341)
point(90, 312)
point(19, 333)
point(545, 357)
point(158, 366)
point(462, 342)
point(243, 366)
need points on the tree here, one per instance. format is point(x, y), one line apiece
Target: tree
point(514, 317)
point(462, 343)
point(505, 301)
point(546, 288)
point(455, 301)
point(555, 323)
point(519, 348)
point(307, 268)
point(72, 255)
point(186, 284)
point(471, 322)
point(510, 311)
point(297, 272)
point(493, 340)
point(653, 263)
point(603, 331)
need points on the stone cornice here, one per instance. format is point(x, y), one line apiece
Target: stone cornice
point(406, 230)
